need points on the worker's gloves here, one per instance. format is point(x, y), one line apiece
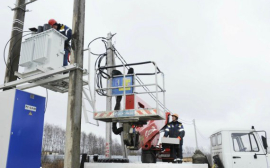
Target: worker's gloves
point(179, 138)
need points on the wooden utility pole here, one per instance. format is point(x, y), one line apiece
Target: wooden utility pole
point(73, 127)
point(110, 62)
point(15, 43)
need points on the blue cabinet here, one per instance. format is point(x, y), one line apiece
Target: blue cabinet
point(118, 81)
point(26, 131)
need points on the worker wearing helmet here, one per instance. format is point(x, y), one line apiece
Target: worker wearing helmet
point(175, 129)
point(66, 31)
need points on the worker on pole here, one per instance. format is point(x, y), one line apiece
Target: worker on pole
point(66, 31)
point(175, 129)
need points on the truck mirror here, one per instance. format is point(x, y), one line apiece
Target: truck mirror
point(264, 143)
point(255, 156)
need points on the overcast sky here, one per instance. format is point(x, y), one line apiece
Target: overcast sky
point(215, 55)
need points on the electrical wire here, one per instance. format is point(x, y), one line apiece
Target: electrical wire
point(101, 74)
point(11, 61)
point(103, 38)
point(201, 133)
point(4, 53)
point(186, 123)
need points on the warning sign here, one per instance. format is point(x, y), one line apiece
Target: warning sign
point(30, 113)
point(30, 108)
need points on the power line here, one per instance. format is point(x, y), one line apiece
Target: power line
point(201, 133)
point(4, 53)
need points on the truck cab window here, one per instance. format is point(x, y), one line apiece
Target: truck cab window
point(219, 140)
point(213, 140)
point(244, 142)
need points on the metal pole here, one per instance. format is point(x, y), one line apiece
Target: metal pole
point(164, 98)
point(156, 79)
point(124, 84)
point(73, 127)
point(124, 148)
point(15, 43)
point(195, 134)
point(110, 62)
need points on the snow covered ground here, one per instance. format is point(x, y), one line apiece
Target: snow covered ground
point(132, 159)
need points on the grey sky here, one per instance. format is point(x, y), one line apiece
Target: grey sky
point(215, 55)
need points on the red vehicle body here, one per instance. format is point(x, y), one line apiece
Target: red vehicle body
point(149, 138)
point(149, 135)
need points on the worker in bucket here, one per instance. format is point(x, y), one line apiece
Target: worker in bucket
point(175, 129)
point(66, 31)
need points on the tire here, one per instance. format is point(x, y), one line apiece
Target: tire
point(114, 160)
point(148, 156)
point(167, 160)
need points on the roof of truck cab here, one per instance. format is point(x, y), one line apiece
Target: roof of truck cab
point(231, 129)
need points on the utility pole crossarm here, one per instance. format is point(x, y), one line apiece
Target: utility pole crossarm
point(23, 5)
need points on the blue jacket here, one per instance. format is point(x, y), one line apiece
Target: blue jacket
point(174, 129)
point(66, 31)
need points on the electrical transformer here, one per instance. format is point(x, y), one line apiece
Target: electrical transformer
point(21, 123)
point(43, 51)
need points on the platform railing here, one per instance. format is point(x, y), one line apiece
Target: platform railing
point(158, 89)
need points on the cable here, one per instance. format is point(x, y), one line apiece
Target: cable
point(101, 74)
point(201, 133)
point(103, 38)
point(186, 123)
point(11, 62)
point(4, 53)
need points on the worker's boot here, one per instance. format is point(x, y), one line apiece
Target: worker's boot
point(179, 161)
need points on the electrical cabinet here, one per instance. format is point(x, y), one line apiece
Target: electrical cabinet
point(21, 123)
point(118, 81)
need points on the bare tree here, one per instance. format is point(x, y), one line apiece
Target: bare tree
point(54, 142)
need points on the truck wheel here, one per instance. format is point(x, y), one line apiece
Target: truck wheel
point(114, 160)
point(148, 156)
point(167, 160)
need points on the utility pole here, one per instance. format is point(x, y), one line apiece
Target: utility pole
point(195, 134)
point(110, 62)
point(15, 43)
point(73, 127)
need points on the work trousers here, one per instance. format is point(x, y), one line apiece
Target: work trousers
point(65, 62)
point(176, 151)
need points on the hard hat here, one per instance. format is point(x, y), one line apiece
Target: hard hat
point(176, 115)
point(52, 22)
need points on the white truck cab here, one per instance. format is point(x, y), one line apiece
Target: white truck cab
point(236, 148)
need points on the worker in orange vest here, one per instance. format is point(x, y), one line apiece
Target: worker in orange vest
point(175, 129)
